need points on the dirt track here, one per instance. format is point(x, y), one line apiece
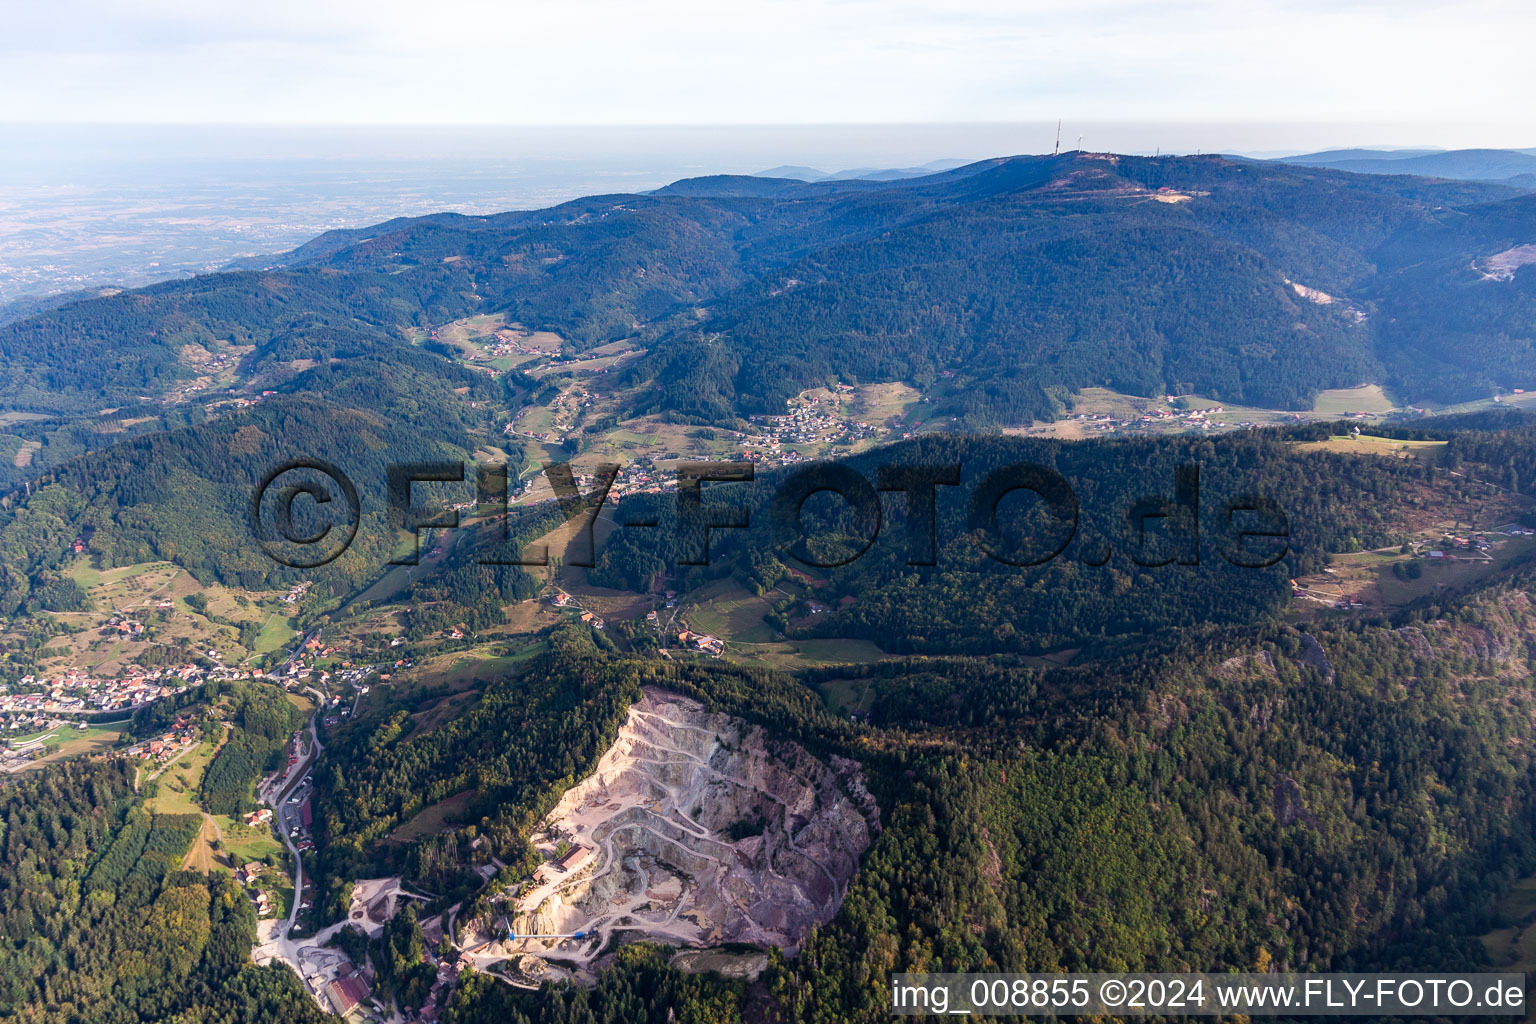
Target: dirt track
point(200, 857)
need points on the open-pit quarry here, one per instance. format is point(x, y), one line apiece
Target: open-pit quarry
point(696, 829)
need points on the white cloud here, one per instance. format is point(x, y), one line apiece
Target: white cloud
point(771, 61)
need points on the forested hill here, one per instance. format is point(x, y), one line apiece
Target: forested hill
point(1471, 164)
point(1114, 578)
point(1356, 798)
point(1025, 278)
point(183, 495)
point(1224, 800)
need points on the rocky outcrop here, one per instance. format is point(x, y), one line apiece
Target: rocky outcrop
point(1313, 655)
point(702, 830)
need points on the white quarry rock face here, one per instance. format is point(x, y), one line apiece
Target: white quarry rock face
point(702, 830)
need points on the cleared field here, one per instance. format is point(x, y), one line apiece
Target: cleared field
point(1369, 398)
point(68, 742)
point(732, 613)
point(396, 578)
point(536, 419)
point(441, 712)
point(280, 892)
point(432, 820)
point(1104, 402)
point(663, 442)
point(473, 668)
point(178, 783)
point(877, 403)
point(792, 655)
point(157, 594)
point(1051, 659)
point(239, 844)
point(23, 457)
point(1522, 401)
point(846, 695)
point(1372, 576)
point(469, 334)
point(547, 342)
point(538, 454)
point(1371, 444)
point(568, 540)
point(244, 843)
point(591, 362)
point(276, 633)
point(1450, 574)
point(125, 586)
point(85, 574)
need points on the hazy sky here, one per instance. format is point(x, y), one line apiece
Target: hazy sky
point(1426, 73)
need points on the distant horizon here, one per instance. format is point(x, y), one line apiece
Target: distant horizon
point(709, 148)
point(95, 205)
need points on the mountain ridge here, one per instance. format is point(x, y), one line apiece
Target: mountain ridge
point(1027, 278)
point(1463, 164)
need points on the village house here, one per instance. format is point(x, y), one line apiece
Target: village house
point(702, 642)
